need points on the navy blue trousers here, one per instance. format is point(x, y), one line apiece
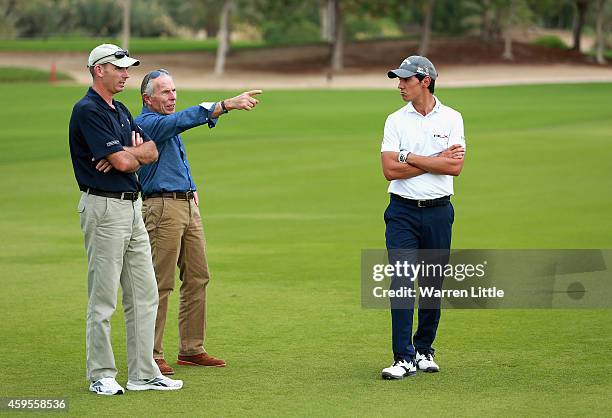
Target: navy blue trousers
point(412, 228)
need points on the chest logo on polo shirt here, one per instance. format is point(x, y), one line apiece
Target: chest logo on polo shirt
point(441, 138)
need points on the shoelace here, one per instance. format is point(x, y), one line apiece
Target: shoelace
point(428, 356)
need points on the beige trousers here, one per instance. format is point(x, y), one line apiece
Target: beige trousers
point(118, 253)
point(177, 239)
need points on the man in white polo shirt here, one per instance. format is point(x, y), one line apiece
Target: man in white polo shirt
point(422, 149)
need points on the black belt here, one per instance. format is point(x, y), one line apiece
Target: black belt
point(441, 201)
point(115, 195)
point(171, 195)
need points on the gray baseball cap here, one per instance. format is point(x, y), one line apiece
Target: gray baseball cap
point(412, 65)
point(105, 53)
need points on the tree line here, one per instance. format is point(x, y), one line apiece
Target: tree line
point(290, 21)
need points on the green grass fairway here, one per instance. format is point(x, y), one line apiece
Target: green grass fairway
point(291, 194)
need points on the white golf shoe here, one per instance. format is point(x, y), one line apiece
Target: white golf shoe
point(399, 369)
point(106, 386)
point(426, 363)
point(157, 383)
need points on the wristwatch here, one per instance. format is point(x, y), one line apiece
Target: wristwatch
point(403, 156)
point(223, 108)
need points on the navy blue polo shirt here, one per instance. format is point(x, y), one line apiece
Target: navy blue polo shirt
point(97, 130)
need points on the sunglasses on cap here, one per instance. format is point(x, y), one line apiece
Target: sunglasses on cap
point(152, 76)
point(117, 54)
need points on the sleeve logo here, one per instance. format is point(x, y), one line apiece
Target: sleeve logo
point(112, 143)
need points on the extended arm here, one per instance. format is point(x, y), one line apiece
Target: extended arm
point(164, 127)
point(244, 101)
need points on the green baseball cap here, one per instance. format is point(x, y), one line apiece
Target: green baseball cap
point(413, 65)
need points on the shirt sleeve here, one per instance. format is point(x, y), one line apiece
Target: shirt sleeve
point(210, 108)
point(98, 135)
point(391, 140)
point(164, 127)
point(457, 135)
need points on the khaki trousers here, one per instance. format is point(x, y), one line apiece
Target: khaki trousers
point(177, 239)
point(118, 253)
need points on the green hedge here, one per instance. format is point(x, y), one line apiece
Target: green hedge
point(550, 41)
point(138, 45)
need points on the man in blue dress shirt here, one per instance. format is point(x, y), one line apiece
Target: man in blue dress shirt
point(171, 214)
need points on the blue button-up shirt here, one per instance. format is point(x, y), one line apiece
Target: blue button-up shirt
point(171, 172)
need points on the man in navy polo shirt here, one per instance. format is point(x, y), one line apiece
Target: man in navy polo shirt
point(107, 148)
point(423, 147)
point(172, 216)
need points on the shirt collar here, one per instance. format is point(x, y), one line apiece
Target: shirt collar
point(436, 108)
point(146, 110)
point(92, 94)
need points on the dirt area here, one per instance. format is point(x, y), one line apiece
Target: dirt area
point(460, 62)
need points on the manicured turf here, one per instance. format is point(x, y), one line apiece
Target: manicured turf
point(30, 75)
point(291, 193)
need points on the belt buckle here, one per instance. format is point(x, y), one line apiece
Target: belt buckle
point(421, 203)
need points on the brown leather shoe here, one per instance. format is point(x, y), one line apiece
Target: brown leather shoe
point(164, 367)
point(204, 359)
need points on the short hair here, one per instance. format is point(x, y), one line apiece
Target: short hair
point(432, 84)
point(146, 87)
point(91, 69)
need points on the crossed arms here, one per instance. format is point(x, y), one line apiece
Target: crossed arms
point(131, 158)
point(449, 162)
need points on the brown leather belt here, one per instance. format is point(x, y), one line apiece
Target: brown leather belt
point(170, 195)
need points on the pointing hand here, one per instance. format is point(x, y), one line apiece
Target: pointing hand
point(244, 101)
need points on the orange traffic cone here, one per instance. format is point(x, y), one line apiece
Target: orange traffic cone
point(53, 74)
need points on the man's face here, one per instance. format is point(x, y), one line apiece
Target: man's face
point(411, 88)
point(163, 99)
point(114, 78)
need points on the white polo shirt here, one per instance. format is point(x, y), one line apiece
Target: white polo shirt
point(406, 129)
